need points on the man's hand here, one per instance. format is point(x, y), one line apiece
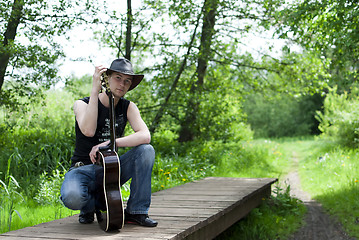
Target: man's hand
point(94, 150)
point(96, 78)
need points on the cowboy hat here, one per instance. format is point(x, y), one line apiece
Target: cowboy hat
point(122, 65)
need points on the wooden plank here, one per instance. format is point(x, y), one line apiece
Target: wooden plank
point(216, 224)
point(197, 210)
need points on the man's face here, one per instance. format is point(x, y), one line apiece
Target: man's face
point(119, 83)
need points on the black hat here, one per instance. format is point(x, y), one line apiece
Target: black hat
point(122, 65)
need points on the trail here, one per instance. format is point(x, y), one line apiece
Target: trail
point(318, 224)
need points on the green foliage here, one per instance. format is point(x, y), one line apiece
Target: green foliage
point(340, 118)
point(169, 172)
point(330, 29)
point(10, 196)
point(296, 73)
point(31, 34)
point(259, 158)
point(41, 140)
point(276, 218)
point(78, 87)
point(282, 115)
point(49, 189)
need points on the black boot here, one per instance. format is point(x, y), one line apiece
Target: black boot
point(140, 219)
point(99, 216)
point(86, 218)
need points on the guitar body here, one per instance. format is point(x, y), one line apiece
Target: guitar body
point(112, 210)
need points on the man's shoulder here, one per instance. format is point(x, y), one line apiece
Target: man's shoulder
point(85, 99)
point(124, 102)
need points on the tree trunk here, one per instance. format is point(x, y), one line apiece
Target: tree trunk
point(159, 114)
point(9, 37)
point(128, 30)
point(189, 126)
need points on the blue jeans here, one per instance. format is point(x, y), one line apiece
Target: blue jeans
point(79, 191)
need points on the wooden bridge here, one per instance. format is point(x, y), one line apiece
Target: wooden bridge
point(197, 210)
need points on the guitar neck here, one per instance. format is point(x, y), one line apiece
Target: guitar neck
point(112, 123)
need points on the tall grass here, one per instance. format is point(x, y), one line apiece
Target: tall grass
point(9, 198)
point(34, 146)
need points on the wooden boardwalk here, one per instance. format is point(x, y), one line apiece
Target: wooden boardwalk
point(197, 210)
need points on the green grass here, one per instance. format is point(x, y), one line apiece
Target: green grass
point(331, 175)
point(255, 159)
point(276, 218)
point(29, 213)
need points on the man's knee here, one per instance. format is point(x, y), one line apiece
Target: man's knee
point(147, 148)
point(147, 152)
point(72, 197)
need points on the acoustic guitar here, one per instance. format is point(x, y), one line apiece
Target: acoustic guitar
point(111, 202)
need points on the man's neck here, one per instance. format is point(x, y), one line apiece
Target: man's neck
point(105, 101)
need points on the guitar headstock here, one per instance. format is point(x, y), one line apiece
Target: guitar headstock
point(104, 83)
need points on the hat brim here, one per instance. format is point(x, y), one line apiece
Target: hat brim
point(137, 78)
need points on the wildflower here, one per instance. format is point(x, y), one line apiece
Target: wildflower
point(168, 178)
point(162, 186)
point(161, 170)
point(183, 179)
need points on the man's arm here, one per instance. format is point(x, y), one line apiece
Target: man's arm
point(141, 133)
point(140, 136)
point(86, 114)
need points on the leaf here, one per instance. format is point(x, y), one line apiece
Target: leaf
point(17, 212)
point(14, 181)
point(4, 185)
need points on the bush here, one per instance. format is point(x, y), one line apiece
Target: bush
point(49, 190)
point(41, 140)
point(340, 119)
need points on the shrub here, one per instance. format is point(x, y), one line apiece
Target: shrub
point(49, 190)
point(340, 119)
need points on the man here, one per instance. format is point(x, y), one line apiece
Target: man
point(80, 190)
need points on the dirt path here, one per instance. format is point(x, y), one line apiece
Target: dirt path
point(318, 224)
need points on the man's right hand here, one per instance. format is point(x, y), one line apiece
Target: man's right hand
point(94, 151)
point(96, 78)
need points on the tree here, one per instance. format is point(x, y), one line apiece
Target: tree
point(330, 28)
point(28, 47)
point(128, 30)
point(172, 89)
point(223, 23)
point(189, 126)
point(197, 67)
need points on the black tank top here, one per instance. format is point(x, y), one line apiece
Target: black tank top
point(84, 144)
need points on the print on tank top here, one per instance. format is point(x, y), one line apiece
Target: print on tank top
point(104, 133)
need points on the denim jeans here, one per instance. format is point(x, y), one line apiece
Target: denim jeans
point(80, 189)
